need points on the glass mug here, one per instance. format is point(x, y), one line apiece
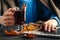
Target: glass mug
point(20, 16)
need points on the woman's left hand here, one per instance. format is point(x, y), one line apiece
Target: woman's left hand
point(50, 25)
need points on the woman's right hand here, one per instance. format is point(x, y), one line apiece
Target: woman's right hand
point(8, 17)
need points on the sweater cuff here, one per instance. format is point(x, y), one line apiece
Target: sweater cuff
point(57, 19)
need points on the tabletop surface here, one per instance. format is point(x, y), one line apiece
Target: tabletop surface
point(24, 38)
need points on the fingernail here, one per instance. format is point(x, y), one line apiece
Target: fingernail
point(49, 31)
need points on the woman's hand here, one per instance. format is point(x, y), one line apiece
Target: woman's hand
point(50, 25)
point(8, 17)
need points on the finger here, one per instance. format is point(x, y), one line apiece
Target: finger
point(11, 10)
point(8, 23)
point(8, 18)
point(49, 27)
point(53, 28)
point(8, 14)
point(45, 26)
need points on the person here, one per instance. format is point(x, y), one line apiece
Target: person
point(36, 10)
